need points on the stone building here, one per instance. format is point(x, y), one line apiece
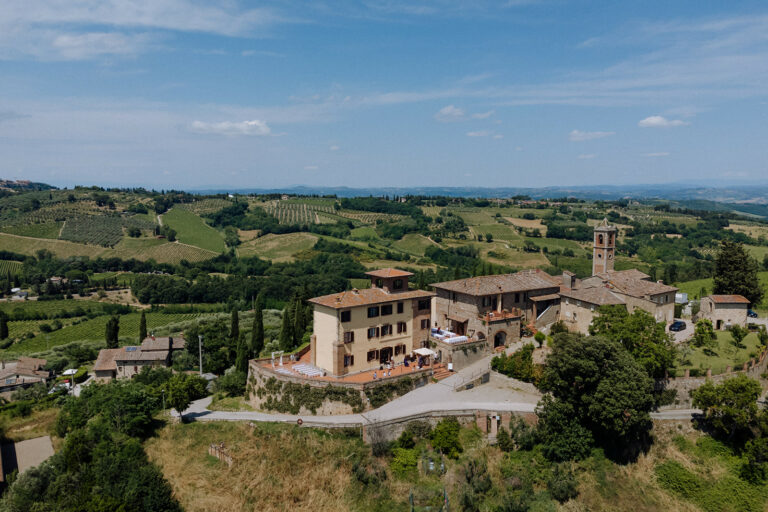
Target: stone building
point(125, 362)
point(495, 307)
point(25, 372)
point(604, 248)
point(724, 310)
point(359, 330)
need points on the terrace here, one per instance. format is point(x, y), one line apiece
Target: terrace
point(300, 366)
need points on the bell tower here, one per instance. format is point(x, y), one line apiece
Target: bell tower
point(604, 248)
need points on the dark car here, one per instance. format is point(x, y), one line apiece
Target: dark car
point(677, 326)
point(751, 314)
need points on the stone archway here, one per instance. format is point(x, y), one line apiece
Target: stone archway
point(500, 339)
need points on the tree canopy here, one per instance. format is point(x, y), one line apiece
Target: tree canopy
point(645, 338)
point(736, 273)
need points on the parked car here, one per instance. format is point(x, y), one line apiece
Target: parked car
point(677, 326)
point(751, 314)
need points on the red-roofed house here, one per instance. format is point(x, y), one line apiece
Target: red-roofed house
point(724, 310)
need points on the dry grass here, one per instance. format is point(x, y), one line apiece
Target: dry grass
point(528, 224)
point(39, 423)
point(274, 469)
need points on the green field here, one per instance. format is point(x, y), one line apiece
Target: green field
point(278, 247)
point(364, 233)
point(498, 231)
point(10, 267)
point(43, 230)
point(723, 355)
point(758, 252)
point(50, 308)
point(474, 217)
point(414, 244)
point(192, 230)
point(93, 330)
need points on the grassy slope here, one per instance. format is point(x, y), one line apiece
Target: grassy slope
point(271, 472)
point(278, 247)
point(724, 354)
point(192, 230)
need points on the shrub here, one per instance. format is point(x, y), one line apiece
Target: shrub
point(405, 440)
point(540, 337)
point(519, 365)
point(404, 462)
point(558, 328)
point(674, 477)
point(562, 485)
point(504, 441)
point(445, 438)
point(232, 383)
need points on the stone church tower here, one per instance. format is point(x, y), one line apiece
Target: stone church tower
point(604, 248)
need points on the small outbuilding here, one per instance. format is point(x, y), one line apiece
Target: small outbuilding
point(724, 310)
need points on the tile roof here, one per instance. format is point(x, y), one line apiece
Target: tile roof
point(604, 226)
point(126, 354)
point(162, 343)
point(106, 359)
point(599, 296)
point(630, 282)
point(30, 363)
point(729, 299)
point(388, 272)
point(504, 283)
point(367, 296)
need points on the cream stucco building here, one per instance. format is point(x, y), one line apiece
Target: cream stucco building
point(362, 329)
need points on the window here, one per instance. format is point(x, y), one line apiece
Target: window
point(399, 307)
point(349, 360)
point(453, 296)
point(600, 239)
point(373, 311)
point(397, 284)
point(379, 283)
point(486, 301)
point(373, 355)
point(349, 336)
point(517, 297)
point(386, 309)
point(402, 327)
point(346, 316)
point(424, 304)
point(399, 349)
point(373, 332)
point(386, 329)
point(425, 323)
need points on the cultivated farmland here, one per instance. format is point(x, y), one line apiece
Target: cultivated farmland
point(192, 230)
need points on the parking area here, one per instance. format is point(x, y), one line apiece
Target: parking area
point(685, 334)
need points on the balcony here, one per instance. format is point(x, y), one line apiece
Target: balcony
point(501, 316)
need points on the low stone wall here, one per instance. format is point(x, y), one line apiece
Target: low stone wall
point(686, 384)
point(270, 391)
point(461, 354)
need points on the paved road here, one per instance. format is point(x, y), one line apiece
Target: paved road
point(499, 395)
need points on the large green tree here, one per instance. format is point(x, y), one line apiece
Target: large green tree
point(112, 331)
point(639, 333)
point(597, 391)
point(142, 327)
point(730, 408)
point(3, 325)
point(736, 273)
point(257, 333)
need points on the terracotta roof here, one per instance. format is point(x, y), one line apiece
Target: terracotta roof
point(366, 297)
point(106, 359)
point(30, 363)
point(388, 272)
point(729, 299)
point(162, 343)
point(599, 296)
point(630, 283)
point(505, 283)
point(136, 354)
point(549, 296)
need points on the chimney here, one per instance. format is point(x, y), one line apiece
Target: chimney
point(170, 343)
point(568, 279)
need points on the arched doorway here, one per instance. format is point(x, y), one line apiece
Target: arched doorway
point(500, 339)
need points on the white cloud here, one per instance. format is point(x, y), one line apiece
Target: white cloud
point(483, 115)
point(660, 122)
point(87, 29)
point(587, 156)
point(657, 155)
point(498, 136)
point(334, 148)
point(449, 114)
point(479, 133)
point(311, 167)
point(254, 127)
point(580, 136)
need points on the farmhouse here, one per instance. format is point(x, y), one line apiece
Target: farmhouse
point(360, 330)
point(23, 373)
point(125, 362)
point(724, 310)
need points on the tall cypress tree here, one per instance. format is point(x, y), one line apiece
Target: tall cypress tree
point(142, 327)
point(257, 334)
point(298, 322)
point(234, 326)
point(112, 331)
point(241, 361)
point(286, 330)
point(3, 325)
point(736, 273)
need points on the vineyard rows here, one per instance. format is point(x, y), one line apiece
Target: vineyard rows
point(50, 308)
point(296, 213)
point(8, 266)
point(101, 230)
point(369, 217)
point(205, 206)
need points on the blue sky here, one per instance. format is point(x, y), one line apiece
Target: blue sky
point(235, 94)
